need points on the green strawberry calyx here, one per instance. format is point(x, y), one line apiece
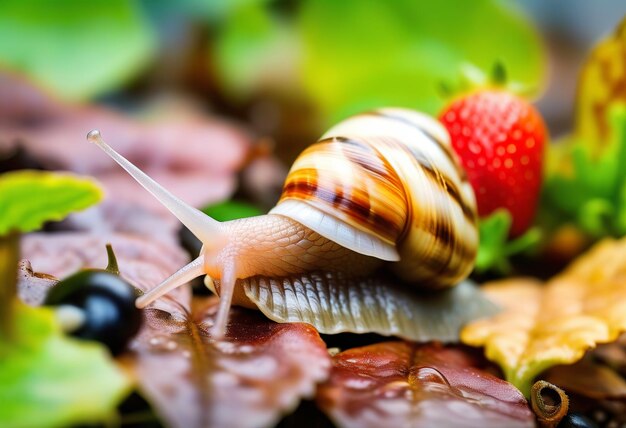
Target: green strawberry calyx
point(472, 78)
point(496, 249)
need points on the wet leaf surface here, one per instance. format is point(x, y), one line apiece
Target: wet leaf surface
point(402, 384)
point(260, 370)
point(545, 325)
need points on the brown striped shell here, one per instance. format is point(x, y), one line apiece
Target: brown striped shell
point(387, 184)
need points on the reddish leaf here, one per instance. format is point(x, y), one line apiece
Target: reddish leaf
point(141, 261)
point(402, 384)
point(193, 155)
point(258, 372)
point(125, 218)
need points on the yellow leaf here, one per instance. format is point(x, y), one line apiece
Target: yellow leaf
point(543, 325)
point(601, 85)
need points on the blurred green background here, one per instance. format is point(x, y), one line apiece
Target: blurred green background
point(289, 68)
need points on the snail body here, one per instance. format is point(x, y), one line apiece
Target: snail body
point(378, 187)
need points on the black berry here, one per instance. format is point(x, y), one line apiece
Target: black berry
point(576, 420)
point(108, 303)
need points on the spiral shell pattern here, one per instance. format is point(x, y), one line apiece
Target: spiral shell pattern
point(390, 177)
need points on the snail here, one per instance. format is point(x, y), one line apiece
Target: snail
point(382, 187)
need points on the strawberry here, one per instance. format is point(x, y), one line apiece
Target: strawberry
point(499, 138)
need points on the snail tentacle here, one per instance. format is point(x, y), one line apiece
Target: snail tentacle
point(227, 287)
point(180, 277)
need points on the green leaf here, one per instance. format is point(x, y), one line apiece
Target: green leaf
point(49, 380)
point(494, 232)
point(231, 210)
point(215, 12)
point(255, 50)
point(30, 198)
point(595, 217)
point(620, 216)
point(365, 54)
point(586, 186)
point(77, 48)
point(350, 55)
point(617, 118)
point(495, 248)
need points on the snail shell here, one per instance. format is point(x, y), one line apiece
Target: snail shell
point(380, 186)
point(387, 184)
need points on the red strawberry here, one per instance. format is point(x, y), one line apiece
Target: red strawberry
point(500, 139)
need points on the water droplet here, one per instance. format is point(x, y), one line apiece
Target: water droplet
point(428, 375)
point(162, 344)
point(156, 341)
point(358, 383)
point(246, 349)
point(225, 347)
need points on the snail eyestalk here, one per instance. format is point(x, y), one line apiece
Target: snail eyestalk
point(208, 230)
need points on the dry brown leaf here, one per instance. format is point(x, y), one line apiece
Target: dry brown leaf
point(613, 355)
point(545, 325)
point(589, 379)
point(401, 384)
point(259, 371)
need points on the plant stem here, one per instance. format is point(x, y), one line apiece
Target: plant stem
point(9, 256)
point(112, 261)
